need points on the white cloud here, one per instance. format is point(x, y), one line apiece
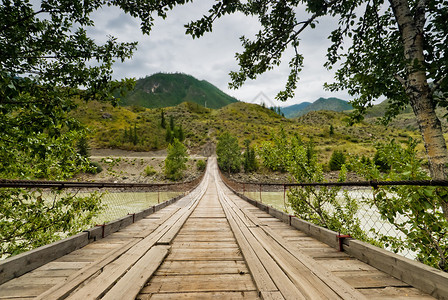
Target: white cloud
point(211, 57)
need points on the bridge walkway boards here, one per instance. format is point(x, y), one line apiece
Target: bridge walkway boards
point(209, 245)
point(205, 261)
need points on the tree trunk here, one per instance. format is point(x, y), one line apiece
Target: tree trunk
point(416, 84)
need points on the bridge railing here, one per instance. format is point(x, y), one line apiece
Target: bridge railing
point(117, 199)
point(397, 215)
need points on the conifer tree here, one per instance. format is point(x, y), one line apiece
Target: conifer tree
point(162, 120)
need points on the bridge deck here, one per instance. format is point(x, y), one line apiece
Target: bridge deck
point(210, 244)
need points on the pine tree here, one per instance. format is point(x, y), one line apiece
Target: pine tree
point(337, 160)
point(169, 135)
point(162, 120)
point(181, 135)
point(134, 137)
point(249, 158)
point(125, 135)
point(171, 122)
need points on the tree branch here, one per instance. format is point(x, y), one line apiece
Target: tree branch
point(401, 80)
point(21, 20)
point(437, 84)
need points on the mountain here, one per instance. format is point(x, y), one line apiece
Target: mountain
point(164, 90)
point(291, 110)
point(333, 104)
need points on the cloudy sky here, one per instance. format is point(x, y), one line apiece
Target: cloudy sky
point(212, 57)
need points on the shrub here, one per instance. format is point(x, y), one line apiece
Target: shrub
point(229, 153)
point(149, 171)
point(424, 227)
point(95, 168)
point(337, 160)
point(175, 160)
point(200, 165)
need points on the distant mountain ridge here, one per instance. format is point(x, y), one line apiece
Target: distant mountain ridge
point(291, 111)
point(164, 90)
point(333, 104)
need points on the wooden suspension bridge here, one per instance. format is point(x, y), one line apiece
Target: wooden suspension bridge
point(214, 244)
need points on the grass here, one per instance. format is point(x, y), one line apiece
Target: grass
point(109, 126)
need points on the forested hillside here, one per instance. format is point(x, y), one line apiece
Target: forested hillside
point(333, 104)
point(163, 90)
point(138, 128)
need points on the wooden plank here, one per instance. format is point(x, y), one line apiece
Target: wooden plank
point(25, 262)
point(271, 296)
point(199, 283)
point(394, 293)
point(52, 273)
point(56, 265)
point(266, 273)
point(425, 278)
point(311, 286)
point(63, 289)
point(204, 245)
point(204, 237)
point(312, 279)
point(206, 254)
point(23, 291)
point(249, 295)
point(133, 281)
point(202, 267)
point(346, 264)
point(369, 279)
point(122, 254)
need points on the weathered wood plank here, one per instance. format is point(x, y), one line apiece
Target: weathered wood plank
point(271, 296)
point(346, 264)
point(250, 295)
point(266, 273)
point(394, 293)
point(25, 262)
point(312, 279)
point(425, 278)
point(369, 279)
point(132, 282)
point(63, 289)
point(199, 283)
point(202, 267)
point(204, 245)
point(206, 254)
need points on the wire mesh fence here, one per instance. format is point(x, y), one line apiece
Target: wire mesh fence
point(36, 213)
point(117, 199)
point(406, 217)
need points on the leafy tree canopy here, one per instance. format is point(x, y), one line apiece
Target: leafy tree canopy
point(175, 160)
point(228, 153)
point(47, 59)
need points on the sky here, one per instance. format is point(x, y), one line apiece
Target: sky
point(168, 49)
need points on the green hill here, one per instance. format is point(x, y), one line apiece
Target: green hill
point(292, 110)
point(379, 110)
point(332, 104)
point(164, 90)
point(112, 126)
